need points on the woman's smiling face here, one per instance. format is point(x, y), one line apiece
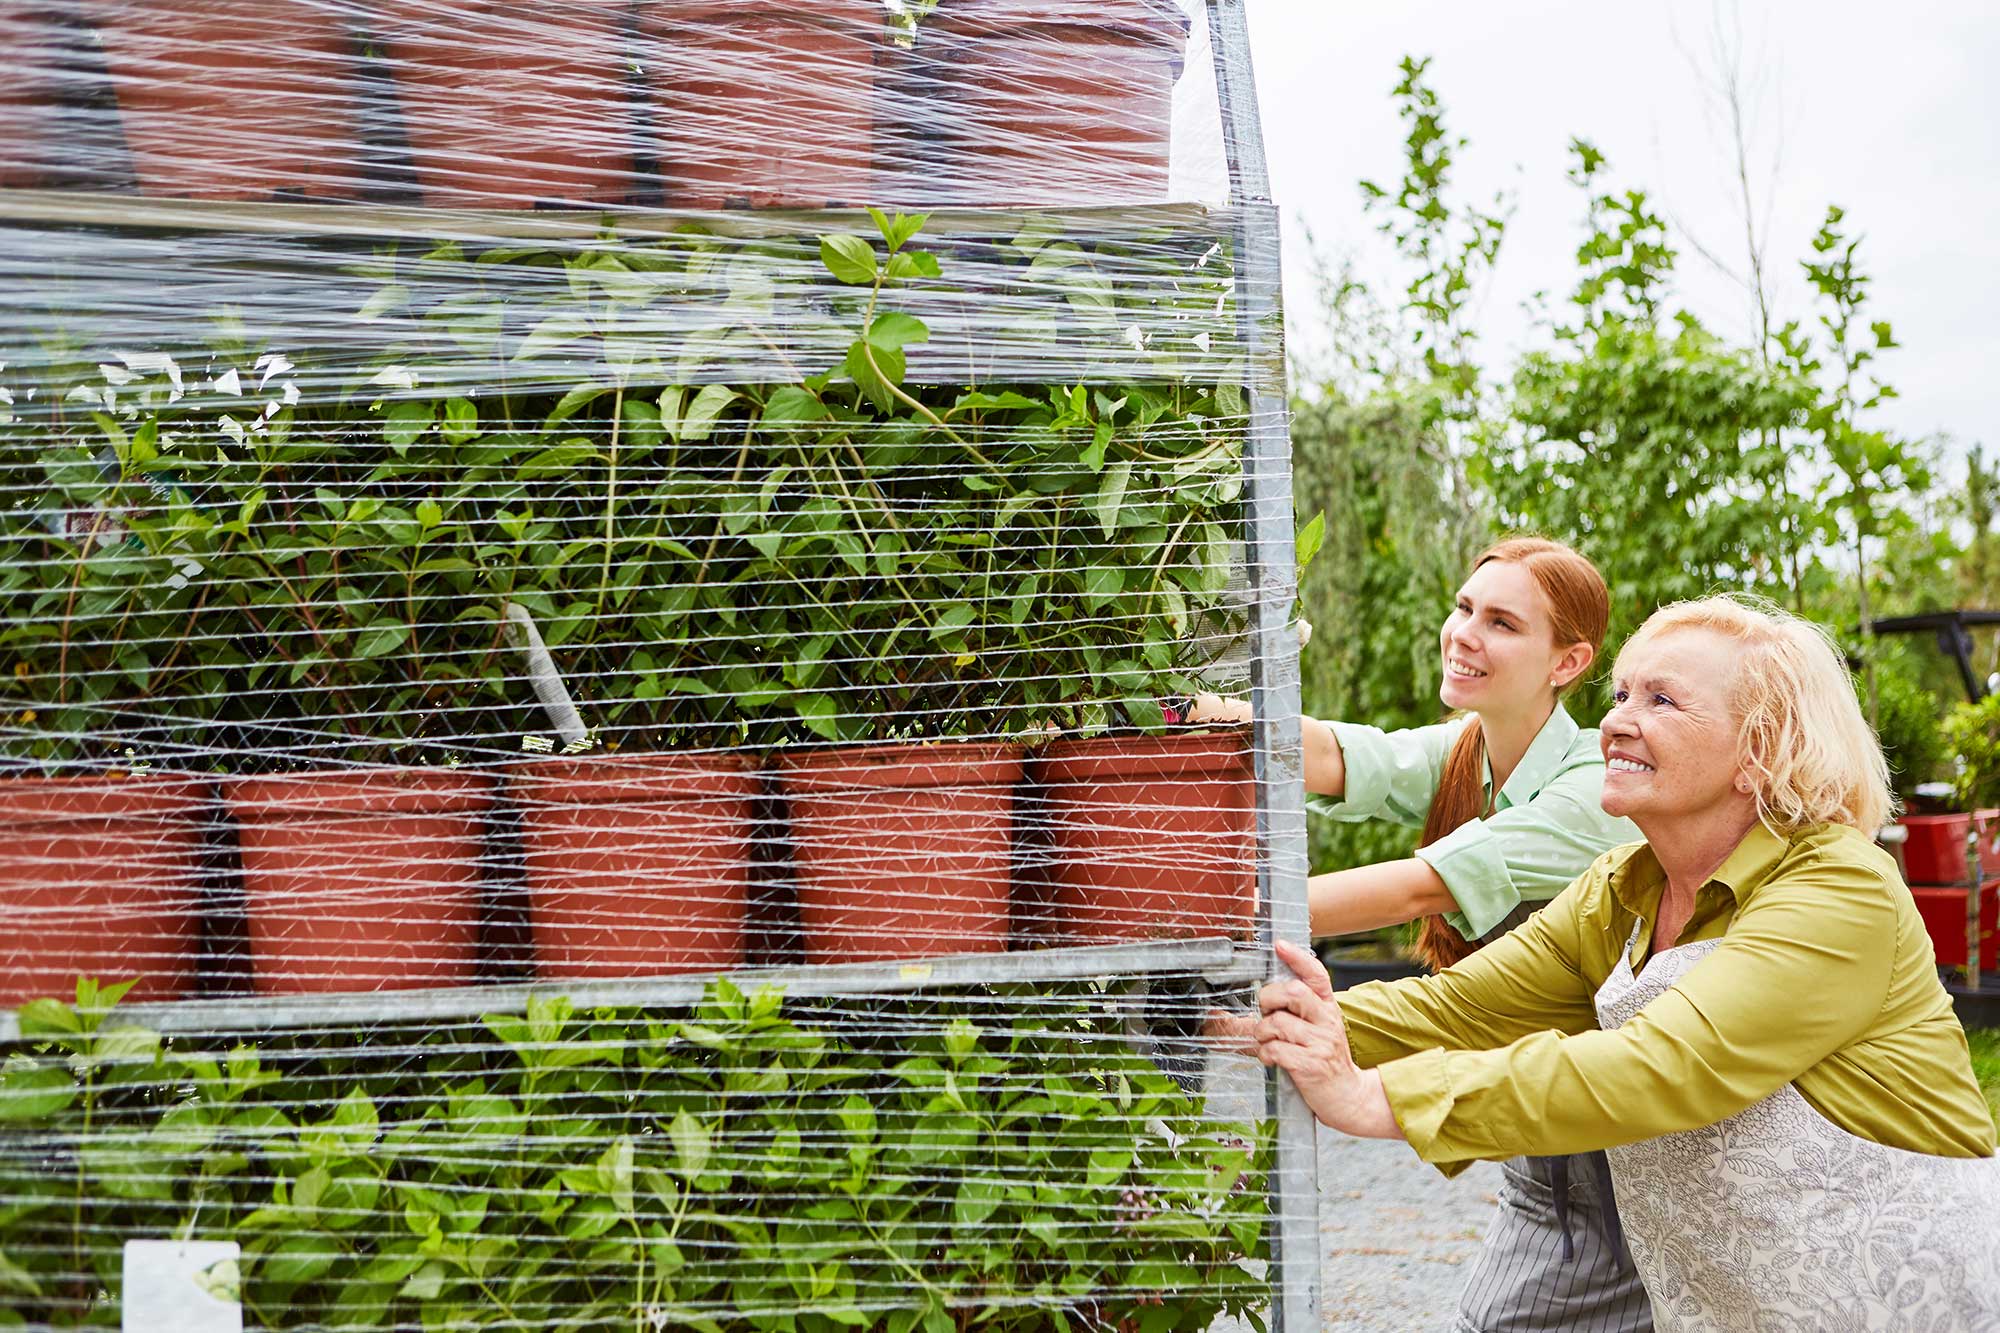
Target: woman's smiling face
point(1670, 740)
point(1498, 643)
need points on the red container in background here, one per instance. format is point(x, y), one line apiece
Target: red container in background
point(1935, 850)
point(1943, 911)
point(762, 104)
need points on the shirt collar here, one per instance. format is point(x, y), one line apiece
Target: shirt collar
point(1637, 883)
point(1543, 761)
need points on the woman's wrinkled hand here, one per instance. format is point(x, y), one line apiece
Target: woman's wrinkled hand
point(1301, 1032)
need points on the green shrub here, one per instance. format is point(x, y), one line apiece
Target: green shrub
point(309, 558)
point(1973, 733)
point(1003, 1161)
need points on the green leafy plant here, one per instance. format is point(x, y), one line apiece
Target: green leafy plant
point(852, 553)
point(995, 1161)
point(1972, 731)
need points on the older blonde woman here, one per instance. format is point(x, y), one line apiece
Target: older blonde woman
point(1743, 1009)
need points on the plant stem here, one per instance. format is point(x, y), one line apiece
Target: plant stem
point(611, 495)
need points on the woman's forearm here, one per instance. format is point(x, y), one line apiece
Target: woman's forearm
point(1370, 897)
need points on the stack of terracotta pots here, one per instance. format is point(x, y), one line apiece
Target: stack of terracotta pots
point(683, 103)
point(381, 878)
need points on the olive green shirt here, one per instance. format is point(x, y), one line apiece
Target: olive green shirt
point(1546, 826)
point(1824, 979)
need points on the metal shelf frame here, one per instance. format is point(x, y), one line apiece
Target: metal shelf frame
point(1252, 223)
point(1212, 958)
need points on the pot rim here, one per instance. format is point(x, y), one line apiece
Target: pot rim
point(907, 764)
point(1176, 754)
point(375, 790)
point(26, 802)
point(608, 778)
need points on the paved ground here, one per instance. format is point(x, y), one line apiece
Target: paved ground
point(1397, 1235)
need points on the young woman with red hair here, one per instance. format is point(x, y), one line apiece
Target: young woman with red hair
point(1505, 794)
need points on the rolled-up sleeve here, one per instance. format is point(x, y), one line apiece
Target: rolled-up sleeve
point(1390, 774)
point(1524, 853)
point(1700, 1052)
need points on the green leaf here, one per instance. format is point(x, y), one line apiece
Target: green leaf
point(913, 264)
point(29, 1091)
point(643, 431)
point(382, 300)
point(849, 258)
point(47, 1018)
point(701, 414)
point(403, 422)
point(1111, 494)
point(875, 371)
point(793, 406)
point(1102, 584)
point(976, 1201)
point(691, 1145)
point(893, 331)
point(299, 1259)
point(559, 460)
point(896, 231)
point(1310, 539)
point(820, 713)
point(551, 333)
point(575, 401)
point(381, 640)
point(953, 619)
point(460, 420)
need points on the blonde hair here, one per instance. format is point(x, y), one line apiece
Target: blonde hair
point(1802, 740)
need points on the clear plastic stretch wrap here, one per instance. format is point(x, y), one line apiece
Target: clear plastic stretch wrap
point(599, 598)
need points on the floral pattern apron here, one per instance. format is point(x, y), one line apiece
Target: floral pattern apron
point(1778, 1219)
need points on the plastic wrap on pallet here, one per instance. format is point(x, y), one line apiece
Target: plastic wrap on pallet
point(568, 104)
point(596, 599)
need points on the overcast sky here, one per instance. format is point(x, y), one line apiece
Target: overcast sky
point(1888, 109)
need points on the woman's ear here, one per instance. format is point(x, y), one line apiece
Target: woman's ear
point(1573, 663)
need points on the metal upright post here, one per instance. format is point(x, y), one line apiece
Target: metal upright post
point(1274, 664)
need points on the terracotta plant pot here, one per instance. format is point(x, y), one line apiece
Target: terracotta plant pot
point(234, 99)
point(100, 877)
point(507, 104)
point(637, 865)
point(902, 851)
point(1149, 836)
point(361, 880)
point(760, 103)
point(1036, 102)
point(27, 93)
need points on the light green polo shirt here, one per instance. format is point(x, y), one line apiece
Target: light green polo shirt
point(1545, 830)
point(1824, 979)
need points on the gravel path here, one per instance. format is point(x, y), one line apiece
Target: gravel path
point(1396, 1235)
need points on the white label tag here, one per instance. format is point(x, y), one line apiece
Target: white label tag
point(174, 1286)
